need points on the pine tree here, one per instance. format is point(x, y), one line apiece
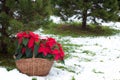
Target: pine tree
point(106, 10)
point(18, 15)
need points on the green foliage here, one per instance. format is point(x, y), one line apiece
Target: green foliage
point(21, 15)
point(48, 56)
point(25, 41)
point(10, 3)
point(9, 68)
point(28, 53)
point(7, 61)
point(86, 59)
point(74, 30)
point(89, 52)
point(94, 70)
point(14, 25)
point(18, 53)
point(36, 49)
point(34, 78)
point(3, 17)
point(73, 78)
point(18, 56)
point(66, 68)
point(82, 9)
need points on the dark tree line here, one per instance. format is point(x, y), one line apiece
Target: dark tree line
point(106, 10)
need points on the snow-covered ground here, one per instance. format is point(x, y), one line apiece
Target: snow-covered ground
point(95, 58)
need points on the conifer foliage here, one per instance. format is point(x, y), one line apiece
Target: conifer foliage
point(106, 10)
point(18, 15)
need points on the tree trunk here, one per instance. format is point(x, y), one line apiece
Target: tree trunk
point(4, 35)
point(3, 47)
point(3, 43)
point(84, 19)
point(84, 14)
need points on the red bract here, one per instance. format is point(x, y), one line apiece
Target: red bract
point(50, 42)
point(25, 35)
point(44, 49)
point(31, 43)
point(61, 50)
point(55, 51)
point(36, 38)
point(20, 37)
point(31, 34)
point(57, 57)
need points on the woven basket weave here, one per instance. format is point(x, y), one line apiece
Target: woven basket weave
point(34, 66)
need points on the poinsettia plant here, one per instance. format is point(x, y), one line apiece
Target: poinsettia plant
point(31, 45)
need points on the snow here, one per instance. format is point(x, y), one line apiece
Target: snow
point(55, 19)
point(115, 25)
point(102, 62)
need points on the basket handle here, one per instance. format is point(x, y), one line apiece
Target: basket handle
point(33, 55)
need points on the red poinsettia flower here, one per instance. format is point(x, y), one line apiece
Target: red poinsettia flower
point(61, 50)
point(57, 57)
point(50, 42)
point(37, 38)
point(25, 35)
point(56, 54)
point(45, 45)
point(20, 37)
point(55, 51)
point(32, 38)
point(31, 34)
point(43, 49)
point(31, 43)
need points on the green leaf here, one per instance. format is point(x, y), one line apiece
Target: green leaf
point(18, 56)
point(49, 56)
point(25, 41)
point(36, 49)
point(63, 62)
point(16, 43)
point(18, 50)
point(37, 43)
point(28, 53)
point(19, 46)
point(40, 55)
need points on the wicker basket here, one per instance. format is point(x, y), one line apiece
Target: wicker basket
point(34, 66)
